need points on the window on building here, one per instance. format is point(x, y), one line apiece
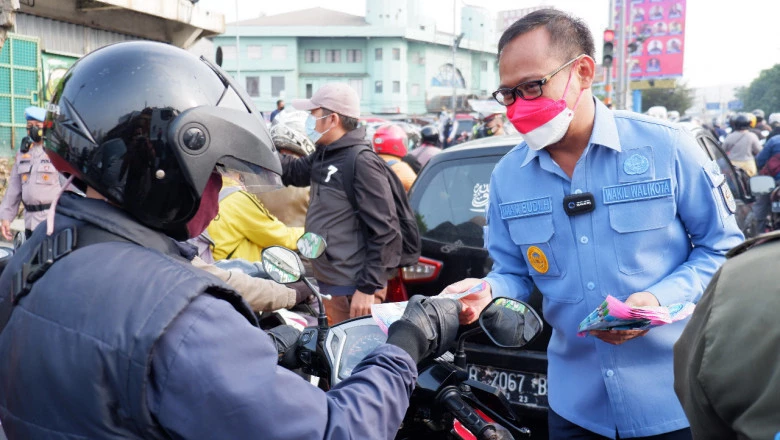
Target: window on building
point(415, 90)
point(278, 53)
point(484, 66)
point(378, 54)
point(254, 52)
point(229, 52)
point(312, 56)
point(396, 53)
point(378, 87)
point(277, 86)
point(396, 86)
point(357, 85)
point(309, 90)
point(333, 55)
point(354, 55)
point(253, 86)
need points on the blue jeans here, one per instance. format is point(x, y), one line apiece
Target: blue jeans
point(562, 429)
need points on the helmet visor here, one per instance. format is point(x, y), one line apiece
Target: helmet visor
point(252, 178)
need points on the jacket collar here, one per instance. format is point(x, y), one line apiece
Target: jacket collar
point(112, 219)
point(350, 138)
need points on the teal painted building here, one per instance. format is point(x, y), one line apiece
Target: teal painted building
point(393, 57)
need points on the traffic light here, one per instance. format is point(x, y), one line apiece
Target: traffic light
point(609, 47)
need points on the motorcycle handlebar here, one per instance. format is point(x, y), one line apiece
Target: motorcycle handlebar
point(470, 419)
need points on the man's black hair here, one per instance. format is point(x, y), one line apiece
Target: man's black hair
point(569, 36)
point(279, 101)
point(347, 123)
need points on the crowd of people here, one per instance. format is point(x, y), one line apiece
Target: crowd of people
point(130, 331)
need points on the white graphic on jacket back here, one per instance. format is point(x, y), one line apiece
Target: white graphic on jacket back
point(331, 170)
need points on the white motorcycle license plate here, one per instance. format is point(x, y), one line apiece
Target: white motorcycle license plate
point(520, 388)
point(776, 206)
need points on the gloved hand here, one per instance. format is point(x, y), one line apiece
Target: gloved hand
point(428, 326)
point(302, 291)
point(285, 337)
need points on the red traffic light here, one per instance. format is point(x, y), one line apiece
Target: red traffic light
point(609, 35)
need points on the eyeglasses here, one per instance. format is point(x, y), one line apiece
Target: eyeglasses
point(528, 90)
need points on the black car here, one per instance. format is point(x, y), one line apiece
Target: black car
point(450, 198)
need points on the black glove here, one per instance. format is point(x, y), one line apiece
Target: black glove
point(302, 291)
point(428, 326)
point(285, 337)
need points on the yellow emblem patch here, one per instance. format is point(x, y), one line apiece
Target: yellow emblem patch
point(537, 259)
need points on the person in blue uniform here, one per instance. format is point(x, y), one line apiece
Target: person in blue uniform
point(596, 203)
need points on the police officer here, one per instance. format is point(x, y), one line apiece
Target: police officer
point(725, 362)
point(107, 332)
point(34, 180)
point(596, 203)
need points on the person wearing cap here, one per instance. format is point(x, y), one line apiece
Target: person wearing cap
point(355, 266)
point(34, 181)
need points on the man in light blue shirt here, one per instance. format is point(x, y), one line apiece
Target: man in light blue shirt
point(596, 203)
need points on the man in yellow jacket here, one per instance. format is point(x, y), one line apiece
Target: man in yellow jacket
point(244, 227)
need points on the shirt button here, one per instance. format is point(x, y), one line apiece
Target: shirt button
point(591, 285)
point(577, 191)
point(610, 373)
point(584, 239)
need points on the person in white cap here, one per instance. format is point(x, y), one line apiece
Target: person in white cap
point(364, 244)
point(34, 181)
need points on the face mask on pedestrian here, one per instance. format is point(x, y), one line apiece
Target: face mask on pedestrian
point(311, 132)
point(36, 133)
point(542, 121)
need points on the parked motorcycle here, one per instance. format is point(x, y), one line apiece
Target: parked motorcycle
point(447, 403)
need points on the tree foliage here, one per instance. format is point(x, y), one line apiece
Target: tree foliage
point(763, 92)
point(679, 98)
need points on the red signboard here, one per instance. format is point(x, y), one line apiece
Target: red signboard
point(657, 30)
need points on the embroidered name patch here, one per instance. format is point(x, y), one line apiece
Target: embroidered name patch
point(526, 208)
point(631, 192)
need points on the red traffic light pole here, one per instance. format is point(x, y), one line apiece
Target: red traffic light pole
point(607, 61)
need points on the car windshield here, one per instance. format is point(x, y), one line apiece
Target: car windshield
point(451, 201)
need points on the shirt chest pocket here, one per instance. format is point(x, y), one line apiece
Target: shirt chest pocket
point(24, 169)
point(641, 236)
point(534, 236)
point(46, 174)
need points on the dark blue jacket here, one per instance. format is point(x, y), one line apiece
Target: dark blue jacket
point(771, 148)
point(118, 340)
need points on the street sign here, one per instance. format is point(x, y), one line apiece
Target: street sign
point(646, 84)
point(713, 106)
point(735, 105)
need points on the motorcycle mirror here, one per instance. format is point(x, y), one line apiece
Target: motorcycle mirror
point(510, 323)
point(311, 245)
point(762, 184)
point(282, 265)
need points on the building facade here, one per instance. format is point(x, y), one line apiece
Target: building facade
point(393, 57)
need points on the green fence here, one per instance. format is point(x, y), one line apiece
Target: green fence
point(20, 73)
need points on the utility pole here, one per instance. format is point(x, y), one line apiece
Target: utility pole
point(8, 10)
point(454, 49)
point(608, 79)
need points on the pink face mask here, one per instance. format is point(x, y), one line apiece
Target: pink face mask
point(209, 206)
point(542, 121)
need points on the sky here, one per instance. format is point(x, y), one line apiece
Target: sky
point(724, 44)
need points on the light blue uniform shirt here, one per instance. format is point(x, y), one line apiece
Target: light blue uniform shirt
point(662, 223)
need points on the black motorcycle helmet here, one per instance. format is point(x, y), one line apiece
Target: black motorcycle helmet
point(430, 135)
point(146, 124)
point(740, 122)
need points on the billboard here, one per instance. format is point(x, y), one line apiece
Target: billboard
point(657, 32)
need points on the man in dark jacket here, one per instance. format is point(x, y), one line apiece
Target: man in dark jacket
point(107, 332)
point(355, 266)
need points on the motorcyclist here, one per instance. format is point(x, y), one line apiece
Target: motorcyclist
point(492, 125)
point(741, 145)
point(289, 204)
point(430, 145)
point(761, 128)
point(389, 142)
point(774, 122)
point(122, 337)
point(762, 206)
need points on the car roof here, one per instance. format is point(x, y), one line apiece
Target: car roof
point(489, 146)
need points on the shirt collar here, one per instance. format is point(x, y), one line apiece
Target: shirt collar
point(604, 132)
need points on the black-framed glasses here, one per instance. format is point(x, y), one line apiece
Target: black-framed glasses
point(528, 90)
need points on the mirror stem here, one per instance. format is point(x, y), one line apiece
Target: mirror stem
point(460, 354)
point(322, 318)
